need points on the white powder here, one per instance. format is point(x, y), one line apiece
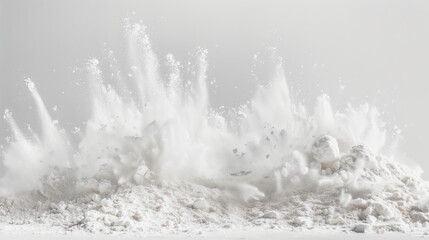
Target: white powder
point(167, 162)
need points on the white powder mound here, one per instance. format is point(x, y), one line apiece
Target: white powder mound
point(361, 193)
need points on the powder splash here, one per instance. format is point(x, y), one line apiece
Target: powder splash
point(162, 160)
